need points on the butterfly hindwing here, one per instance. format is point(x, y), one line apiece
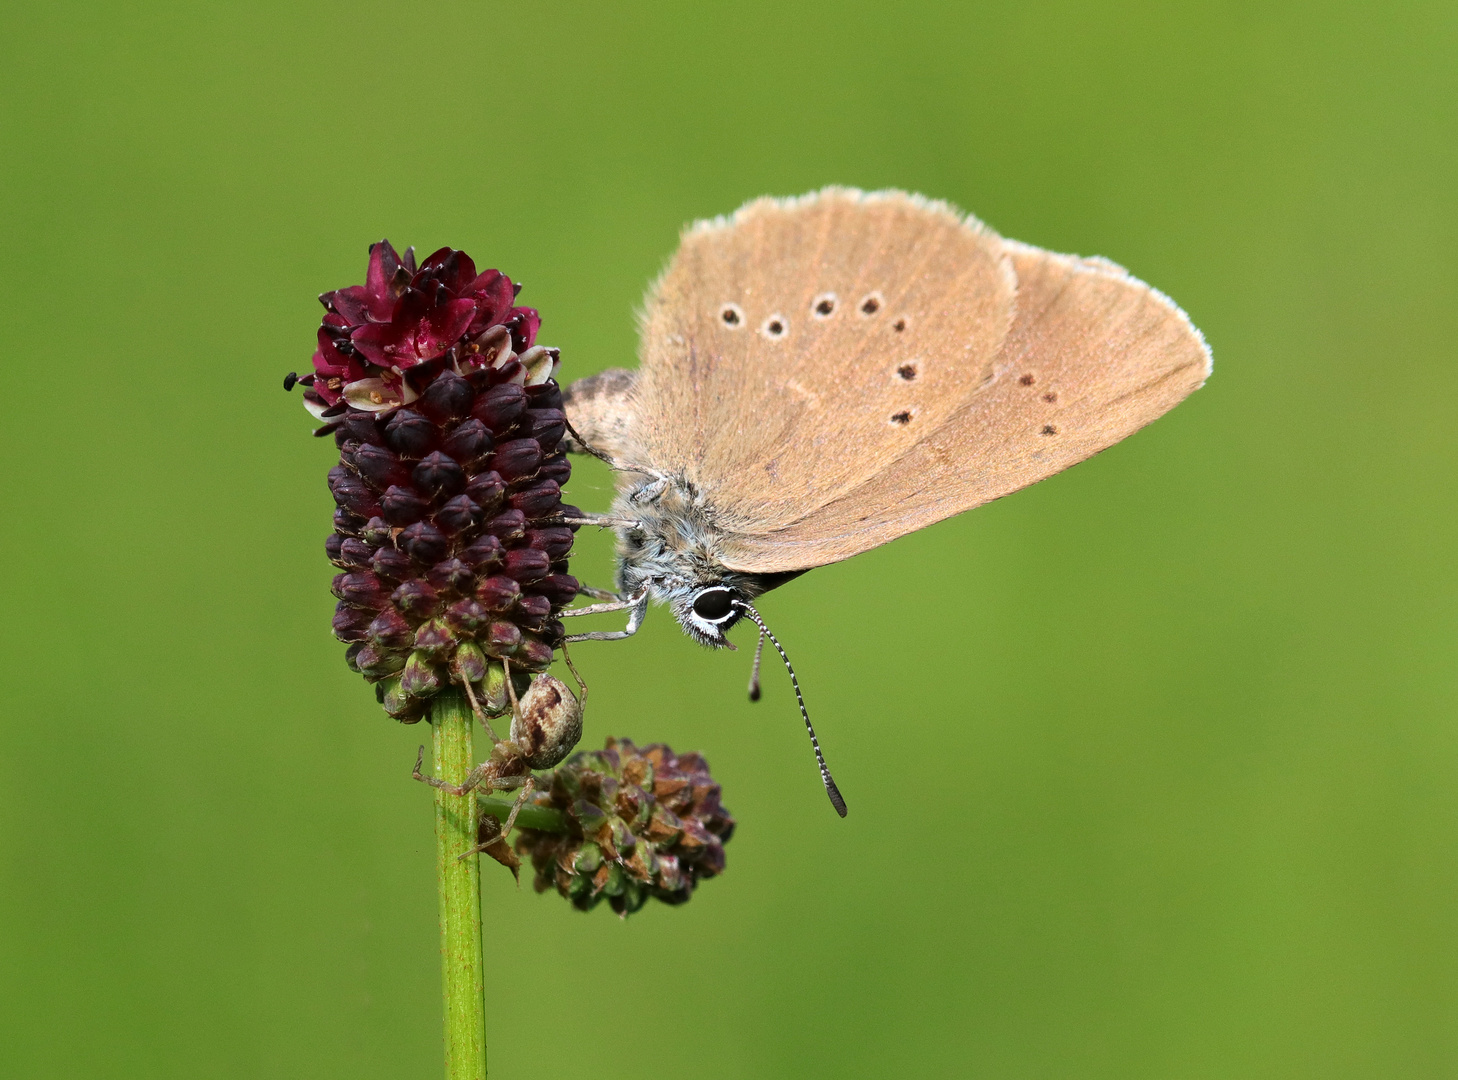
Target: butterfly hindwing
point(1093, 355)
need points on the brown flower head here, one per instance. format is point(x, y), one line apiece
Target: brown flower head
point(641, 823)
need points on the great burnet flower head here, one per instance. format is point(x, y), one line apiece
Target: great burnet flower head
point(449, 530)
point(640, 823)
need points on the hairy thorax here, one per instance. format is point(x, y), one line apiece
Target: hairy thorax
point(674, 552)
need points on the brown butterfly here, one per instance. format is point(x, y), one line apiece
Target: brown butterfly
point(821, 375)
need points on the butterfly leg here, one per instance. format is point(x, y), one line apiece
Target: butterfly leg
point(602, 521)
point(617, 603)
point(598, 594)
point(650, 492)
point(637, 606)
point(474, 779)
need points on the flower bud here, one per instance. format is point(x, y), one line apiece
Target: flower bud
point(376, 531)
point(547, 426)
point(380, 467)
point(458, 515)
point(401, 505)
point(527, 564)
point(468, 615)
point(360, 589)
point(558, 588)
point(416, 598)
point(452, 575)
point(468, 441)
point(352, 623)
point(347, 523)
point(389, 629)
point(556, 467)
point(354, 554)
point(438, 477)
point(361, 427)
point(487, 491)
point(449, 397)
point(354, 495)
point(501, 638)
point(556, 541)
point(435, 640)
point(421, 678)
point(500, 407)
point(398, 704)
point(469, 662)
point(498, 593)
point(483, 552)
point(494, 697)
point(409, 434)
point(542, 498)
point(374, 663)
point(517, 459)
point(424, 543)
point(509, 526)
point(533, 654)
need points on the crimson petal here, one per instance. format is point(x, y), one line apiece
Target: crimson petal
point(494, 295)
point(442, 327)
point(451, 267)
point(329, 361)
point(352, 303)
point(524, 322)
point(386, 344)
point(382, 281)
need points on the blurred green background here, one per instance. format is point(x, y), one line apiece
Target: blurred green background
point(1151, 767)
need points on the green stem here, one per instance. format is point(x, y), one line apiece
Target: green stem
point(461, 965)
point(543, 818)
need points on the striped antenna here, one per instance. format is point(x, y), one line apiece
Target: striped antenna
point(754, 671)
point(825, 777)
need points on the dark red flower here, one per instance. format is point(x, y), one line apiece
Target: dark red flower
point(449, 525)
point(383, 342)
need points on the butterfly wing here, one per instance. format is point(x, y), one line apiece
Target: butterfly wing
point(772, 344)
point(601, 410)
point(951, 368)
point(1092, 356)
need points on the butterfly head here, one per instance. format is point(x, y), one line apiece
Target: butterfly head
point(672, 550)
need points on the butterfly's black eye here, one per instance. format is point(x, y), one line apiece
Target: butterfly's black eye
point(714, 605)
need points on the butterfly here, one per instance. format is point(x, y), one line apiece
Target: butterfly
point(823, 374)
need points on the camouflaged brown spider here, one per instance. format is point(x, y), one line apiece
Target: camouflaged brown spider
point(546, 723)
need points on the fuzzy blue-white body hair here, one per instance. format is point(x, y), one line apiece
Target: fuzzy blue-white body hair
point(673, 551)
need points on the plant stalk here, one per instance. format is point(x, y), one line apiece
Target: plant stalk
point(542, 818)
point(462, 968)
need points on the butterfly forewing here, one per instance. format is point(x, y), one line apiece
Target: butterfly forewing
point(794, 351)
point(1093, 355)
